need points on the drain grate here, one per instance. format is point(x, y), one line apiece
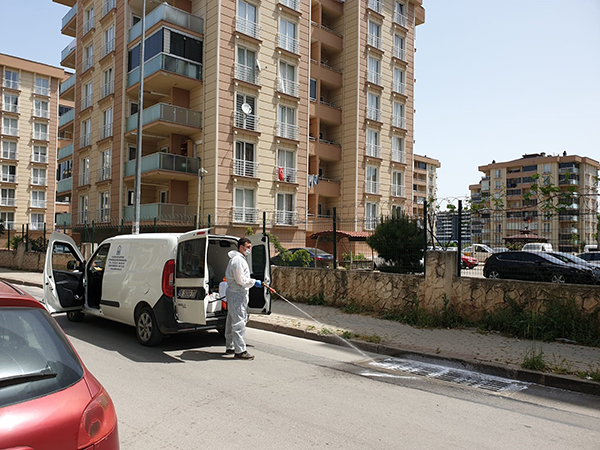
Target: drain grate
point(453, 375)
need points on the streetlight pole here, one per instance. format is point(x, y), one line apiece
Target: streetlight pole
point(138, 158)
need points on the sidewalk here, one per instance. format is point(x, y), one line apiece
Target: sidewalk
point(491, 353)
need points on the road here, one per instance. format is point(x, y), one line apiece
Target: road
point(299, 394)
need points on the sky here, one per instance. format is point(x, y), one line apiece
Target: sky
point(494, 80)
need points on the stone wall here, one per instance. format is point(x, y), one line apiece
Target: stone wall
point(385, 292)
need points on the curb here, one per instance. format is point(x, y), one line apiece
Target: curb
point(22, 282)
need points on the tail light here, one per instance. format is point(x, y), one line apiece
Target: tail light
point(98, 421)
point(168, 278)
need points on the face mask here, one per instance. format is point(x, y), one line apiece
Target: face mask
point(247, 252)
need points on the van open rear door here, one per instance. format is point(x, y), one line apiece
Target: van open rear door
point(260, 269)
point(191, 278)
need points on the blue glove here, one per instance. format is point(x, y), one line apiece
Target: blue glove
point(258, 283)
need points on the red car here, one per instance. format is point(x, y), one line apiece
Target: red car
point(48, 399)
point(468, 262)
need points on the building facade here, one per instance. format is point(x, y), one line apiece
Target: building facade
point(288, 108)
point(29, 141)
point(510, 198)
point(424, 182)
point(447, 228)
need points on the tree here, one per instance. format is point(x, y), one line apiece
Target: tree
point(400, 242)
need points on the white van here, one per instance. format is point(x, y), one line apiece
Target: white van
point(537, 247)
point(162, 283)
point(479, 251)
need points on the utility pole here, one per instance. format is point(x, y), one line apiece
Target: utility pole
point(138, 158)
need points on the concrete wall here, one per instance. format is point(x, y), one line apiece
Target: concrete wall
point(470, 297)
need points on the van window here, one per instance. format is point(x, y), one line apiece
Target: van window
point(190, 259)
point(259, 260)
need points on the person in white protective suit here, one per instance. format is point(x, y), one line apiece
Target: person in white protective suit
point(239, 282)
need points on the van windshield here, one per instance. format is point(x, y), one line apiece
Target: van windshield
point(190, 259)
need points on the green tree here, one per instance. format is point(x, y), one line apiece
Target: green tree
point(400, 241)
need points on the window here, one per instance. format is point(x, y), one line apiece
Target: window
point(498, 184)
point(105, 167)
point(40, 131)
point(373, 110)
point(11, 103)
point(498, 173)
point(83, 215)
point(40, 154)
point(38, 199)
point(546, 168)
point(40, 109)
point(370, 216)
point(313, 90)
point(373, 147)
point(133, 108)
point(400, 14)
point(64, 170)
point(286, 166)
point(89, 20)
point(287, 123)
point(245, 116)
point(37, 221)
point(9, 150)
point(243, 208)
point(7, 197)
point(247, 19)
point(397, 211)
point(104, 210)
point(38, 176)
point(397, 184)
point(398, 149)
point(84, 171)
point(244, 163)
point(11, 79)
point(10, 126)
point(399, 47)
point(372, 180)
point(42, 86)
point(9, 174)
point(107, 123)
point(421, 165)
point(8, 220)
point(287, 79)
point(287, 36)
point(86, 100)
point(86, 133)
point(163, 197)
point(530, 168)
point(374, 71)
point(109, 41)
point(131, 153)
point(88, 57)
point(398, 119)
point(108, 82)
point(399, 85)
point(246, 69)
point(374, 35)
point(286, 209)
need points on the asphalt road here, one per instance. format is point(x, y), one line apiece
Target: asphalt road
point(299, 394)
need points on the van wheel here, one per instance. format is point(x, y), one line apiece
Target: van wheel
point(146, 328)
point(75, 316)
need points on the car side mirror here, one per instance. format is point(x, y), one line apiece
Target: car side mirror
point(72, 265)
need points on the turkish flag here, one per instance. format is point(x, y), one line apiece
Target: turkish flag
point(280, 173)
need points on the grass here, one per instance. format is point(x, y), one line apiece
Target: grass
point(534, 360)
point(592, 374)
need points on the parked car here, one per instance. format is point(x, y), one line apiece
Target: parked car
point(499, 249)
point(480, 251)
point(48, 399)
point(537, 247)
point(591, 257)
point(537, 266)
point(567, 257)
point(467, 262)
point(322, 258)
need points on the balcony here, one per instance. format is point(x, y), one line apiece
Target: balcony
point(11, 84)
point(88, 63)
point(288, 87)
point(327, 112)
point(103, 215)
point(326, 188)
point(568, 182)
point(374, 77)
point(292, 4)
point(36, 226)
point(401, 19)
point(285, 217)
point(159, 120)
point(85, 140)
point(7, 201)
point(376, 5)
point(244, 215)
point(287, 131)
point(10, 131)
point(12, 226)
point(67, 88)
point(571, 169)
point(399, 122)
point(568, 218)
point(163, 165)
point(41, 90)
point(65, 185)
point(41, 113)
point(246, 73)
point(374, 114)
point(372, 187)
point(88, 25)
point(399, 87)
point(8, 154)
point(247, 27)
point(288, 43)
point(159, 71)
point(108, 48)
point(373, 150)
point(68, 55)
point(328, 75)
point(87, 102)
point(328, 38)
point(63, 219)
point(400, 53)
point(37, 204)
point(374, 41)
point(398, 156)
point(69, 22)
point(286, 174)
point(39, 158)
point(11, 108)
point(243, 168)
point(41, 136)
point(163, 212)
point(171, 15)
point(104, 173)
point(8, 178)
point(108, 6)
point(248, 122)
point(83, 217)
point(397, 190)
point(85, 179)
point(107, 89)
point(66, 118)
point(105, 131)
point(325, 150)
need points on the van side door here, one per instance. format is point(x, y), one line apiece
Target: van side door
point(260, 269)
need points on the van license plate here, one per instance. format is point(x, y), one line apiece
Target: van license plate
point(187, 293)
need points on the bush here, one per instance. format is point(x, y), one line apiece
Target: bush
point(39, 244)
point(14, 242)
point(353, 257)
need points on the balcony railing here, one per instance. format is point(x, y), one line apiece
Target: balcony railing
point(63, 219)
point(374, 114)
point(107, 48)
point(41, 136)
point(287, 174)
point(288, 87)
point(397, 190)
point(7, 201)
point(88, 25)
point(39, 181)
point(11, 84)
point(38, 203)
point(67, 84)
point(245, 168)
point(9, 225)
point(244, 215)
point(64, 185)
point(86, 140)
point(246, 121)
point(43, 113)
point(399, 121)
point(84, 178)
point(285, 217)
point(88, 63)
point(371, 223)
point(287, 131)
point(288, 43)
point(11, 108)
point(86, 101)
point(401, 19)
point(376, 6)
point(400, 53)
point(6, 154)
point(372, 187)
point(68, 16)
point(398, 156)
point(292, 4)
point(10, 131)
point(108, 6)
point(247, 27)
point(168, 63)
point(103, 215)
point(399, 87)
point(41, 90)
point(106, 89)
point(66, 118)
point(104, 173)
point(374, 77)
point(39, 158)
point(374, 41)
point(168, 14)
point(83, 217)
point(571, 169)
point(162, 211)
point(36, 226)
point(8, 178)
point(165, 161)
point(67, 50)
point(166, 113)
point(246, 73)
point(373, 150)
point(105, 131)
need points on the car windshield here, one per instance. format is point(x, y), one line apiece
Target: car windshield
point(569, 258)
point(35, 357)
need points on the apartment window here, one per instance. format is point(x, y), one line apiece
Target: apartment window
point(37, 221)
point(398, 149)
point(247, 19)
point(108, 82)
point(86, 133)
point(397, 184)
point(398, 119)
point(8, 220)
point(287, 79)
point(38, 199)
point(421, 165)
point(84, 171)
point(10, 126)
point(42, 86)
point(286, 166)
point(40, 109)
point(40, 131)
point(131, 153)
point(397, 211)
point(285, 209)
point(374, 71)
point(106, 124)
point(370, 215)
point(498, 173)
point(498, 184)
point(546, 227)
point(89, 20)
point(373, 107)
point(163, 197)
point(40, 154)
point(133, 108)
point(105, 166)
point(287, 123)
point(246, 69)
point(399, 47)
point(11, 79)
point(130, 197)
point(243, 207)
point(87, 97)
point(546, 168)
point(38, 177)
point(373, 147)
point(374, 35)
point(313, 90)
point(10, 103)
point(400, 14)
point(109, 41)
point(83, 215)
point(245, 164)
point(245, 116)
point(104, 210)
point(7, 197)
point(399, 84)
point(88, 57)
point(287, 35)
point(9, 174)
point(107, 6)
point(372, 180)
point(64, 170)
point(9, 150)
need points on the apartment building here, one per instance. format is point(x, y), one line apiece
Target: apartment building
point(508, 205)
point(287, 108)
point(447, 228)
point(424, 182)
point(29, 110)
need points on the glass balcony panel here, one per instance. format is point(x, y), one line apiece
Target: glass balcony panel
point(68, 16)
point(39, 158)
point(43, 113)
point(36, 226)
point(162, 212)
point(41, 90)
point(167, 113)
point(10, 107)
point(38, 203)
point(8, 178)
point(7, 201)
point(67, 117)
point(67, 84)
point(41, 136)
point(169, 63)
point(164, 161)
point(64, 185)
point(168, 14)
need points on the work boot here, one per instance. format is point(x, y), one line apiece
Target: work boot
point(229, 351)
point(244, 355)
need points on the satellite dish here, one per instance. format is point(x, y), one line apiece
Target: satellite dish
point(246, 108)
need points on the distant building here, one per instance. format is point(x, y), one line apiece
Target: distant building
point(424, 181)
point(447, 229)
